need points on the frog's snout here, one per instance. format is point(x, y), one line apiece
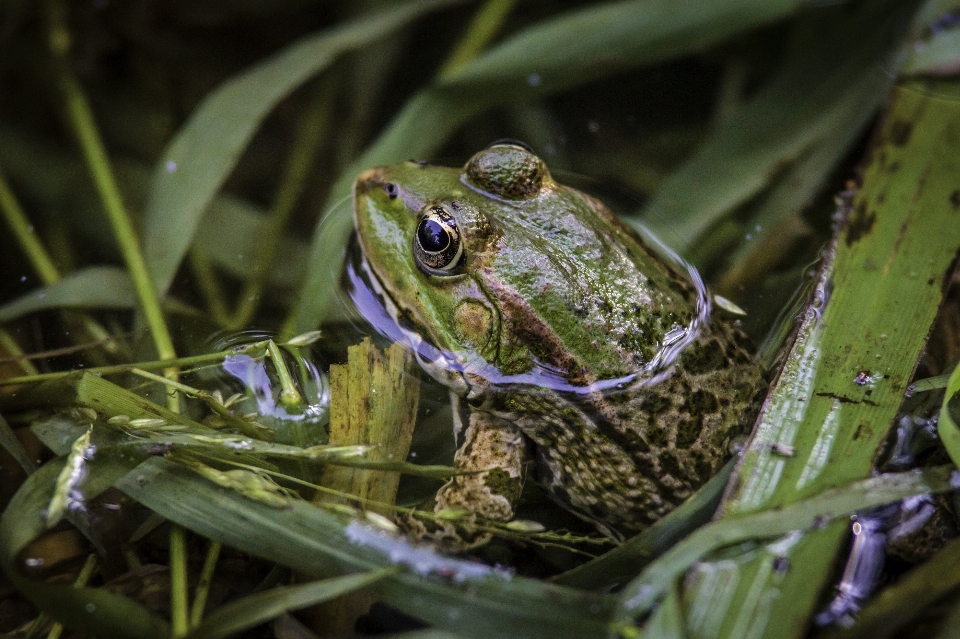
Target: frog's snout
point(368, 181)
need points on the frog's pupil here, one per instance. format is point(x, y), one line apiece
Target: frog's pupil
point(433, 237)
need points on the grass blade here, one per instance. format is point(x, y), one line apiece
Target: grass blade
point(827, 91)
point(94, 611)
point(845, 378)
point(946, 427)
point(203, 154)
point(640, 595)
point(315, 543)
point(93, 287)
point(10, 443)
point(258, 608)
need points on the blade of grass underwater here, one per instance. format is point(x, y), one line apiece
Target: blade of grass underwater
point(204, 152)
point(93, 287)
point(258, 608)
point(900, 604)
point(552, 55)
point(228, 233)
point(94, 611)
point(937, 54)
point(832, 77)
point(10, 443)
point(845, 378)
point(316, 543)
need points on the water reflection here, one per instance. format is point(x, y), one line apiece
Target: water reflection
point(289, 397)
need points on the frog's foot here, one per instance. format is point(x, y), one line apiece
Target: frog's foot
point(450, 532)
point(493, 461)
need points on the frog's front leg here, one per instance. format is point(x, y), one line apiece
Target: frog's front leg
point(493, 458)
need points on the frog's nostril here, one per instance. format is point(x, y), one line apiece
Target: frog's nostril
point(392, 190)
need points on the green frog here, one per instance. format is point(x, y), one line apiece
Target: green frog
point(569, 346)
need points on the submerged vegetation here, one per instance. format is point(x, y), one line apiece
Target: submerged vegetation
point(174, 175)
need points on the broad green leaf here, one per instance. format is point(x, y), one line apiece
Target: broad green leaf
point(93, 287)
point(552, 55)
point(845, 377)
point(206, 149)
point(316, 543)
point(258, 608)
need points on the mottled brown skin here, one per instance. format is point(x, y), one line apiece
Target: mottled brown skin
point(624, 459)
point(549, 280)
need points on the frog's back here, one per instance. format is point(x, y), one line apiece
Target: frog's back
point(579, 292)
point(653, 386)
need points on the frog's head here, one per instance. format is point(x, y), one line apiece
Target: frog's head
point(498, 261)
point(426, 233)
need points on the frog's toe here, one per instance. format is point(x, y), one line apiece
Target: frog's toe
point(449, 532)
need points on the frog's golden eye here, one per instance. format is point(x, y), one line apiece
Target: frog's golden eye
point(437, 245)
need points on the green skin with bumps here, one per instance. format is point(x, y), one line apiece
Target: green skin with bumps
point(566, 342)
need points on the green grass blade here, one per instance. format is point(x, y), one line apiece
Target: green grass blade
point(642, 593)
point(946, 427)
point(826, 92)
point(844, 380)
point(195, 164)
point(97, 612)
point(9, 441)
point(605, 38)
point(315, 543)
point(93, 287)
point(258, 608)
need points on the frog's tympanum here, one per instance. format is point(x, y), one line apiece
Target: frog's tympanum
point(569, 346)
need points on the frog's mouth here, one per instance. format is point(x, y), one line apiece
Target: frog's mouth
point(377, 306)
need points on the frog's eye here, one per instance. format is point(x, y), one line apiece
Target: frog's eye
point(437, 244)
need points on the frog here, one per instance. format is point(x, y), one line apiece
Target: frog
point(573, 350)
